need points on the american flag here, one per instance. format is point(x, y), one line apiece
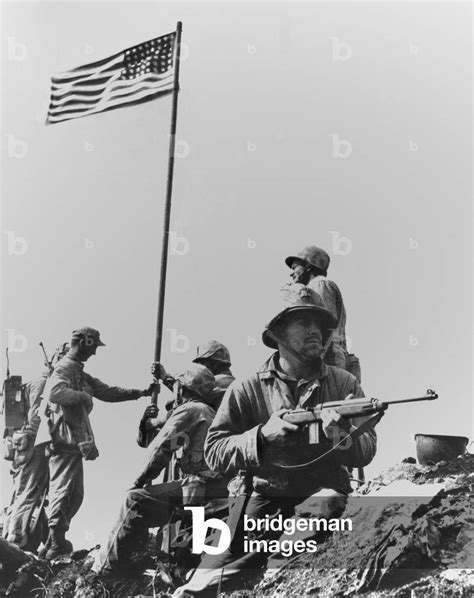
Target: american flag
point(135, 75)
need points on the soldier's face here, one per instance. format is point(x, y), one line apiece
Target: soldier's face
point(299, 272)
point(88, 349)
point(302, 332)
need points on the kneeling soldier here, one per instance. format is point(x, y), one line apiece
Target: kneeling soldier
point(284, 473)
point(213, 355)
point(151, 506)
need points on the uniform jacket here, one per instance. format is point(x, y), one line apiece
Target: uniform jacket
point(185, 429)
point(67, 386)
point(223, 381)
point(234, 442)
point(332, 297)
point(35, 390)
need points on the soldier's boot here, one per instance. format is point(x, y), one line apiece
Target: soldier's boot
point(57, 543)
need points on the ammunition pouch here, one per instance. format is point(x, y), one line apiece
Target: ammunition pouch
point(18, 447)
point(8, 450)
point(88, 450)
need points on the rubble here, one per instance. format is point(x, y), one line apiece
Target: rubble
point(413, 537)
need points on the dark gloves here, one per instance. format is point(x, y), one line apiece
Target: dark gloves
point(150, 412)
point(145, 432)
point(140, 482)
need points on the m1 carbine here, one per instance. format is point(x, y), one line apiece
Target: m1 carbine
point(348, 409)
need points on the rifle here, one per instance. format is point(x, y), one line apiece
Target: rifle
point(347, 409)
point(47, 362)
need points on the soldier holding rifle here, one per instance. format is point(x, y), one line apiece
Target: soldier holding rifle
point(276, 468)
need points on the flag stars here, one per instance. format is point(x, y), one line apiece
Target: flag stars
point(155, 56)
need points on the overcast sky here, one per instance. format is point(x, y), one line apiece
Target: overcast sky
point(347, 125)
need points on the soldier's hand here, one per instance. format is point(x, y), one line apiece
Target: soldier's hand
point(150, 412)
point(140, 482)
point(276, 428)
point(158, 371)
point(334, 426)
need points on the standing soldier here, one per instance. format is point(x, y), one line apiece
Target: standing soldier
point(25, 515)
point(213, 355)
point(69, 392)
point(310, 268)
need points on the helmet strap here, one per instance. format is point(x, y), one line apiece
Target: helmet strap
point(304, 276)
point(284, 344)
point(327, 344)
point(295, 354)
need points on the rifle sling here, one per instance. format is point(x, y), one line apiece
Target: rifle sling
point(372, 421)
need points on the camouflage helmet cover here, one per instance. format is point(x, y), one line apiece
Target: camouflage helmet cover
point(198, 379)
point(213, 350)
point(312, 255)
point(298, 297)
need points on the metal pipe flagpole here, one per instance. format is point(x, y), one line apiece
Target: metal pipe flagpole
point(167, 212)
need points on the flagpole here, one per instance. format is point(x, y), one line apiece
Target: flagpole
point(167, 212)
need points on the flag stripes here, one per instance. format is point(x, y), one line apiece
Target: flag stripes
point(136, 75)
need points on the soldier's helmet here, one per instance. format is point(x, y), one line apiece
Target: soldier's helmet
point(91, 335)
point(298, 297)
point(311, 255)
point(213, 350)
point(198, 379)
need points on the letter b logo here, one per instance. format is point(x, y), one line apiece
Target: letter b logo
point(200, 528)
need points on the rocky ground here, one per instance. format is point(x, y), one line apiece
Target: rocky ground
point(413, 536)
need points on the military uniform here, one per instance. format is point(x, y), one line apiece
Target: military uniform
point(26, 522)
point(213, 355)
point(65, 391)
point(282, 477)
point(337, 353)
point(210, 353)
point(25, 515)
point(184, 431)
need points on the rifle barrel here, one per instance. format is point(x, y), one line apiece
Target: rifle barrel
point(429, 396)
